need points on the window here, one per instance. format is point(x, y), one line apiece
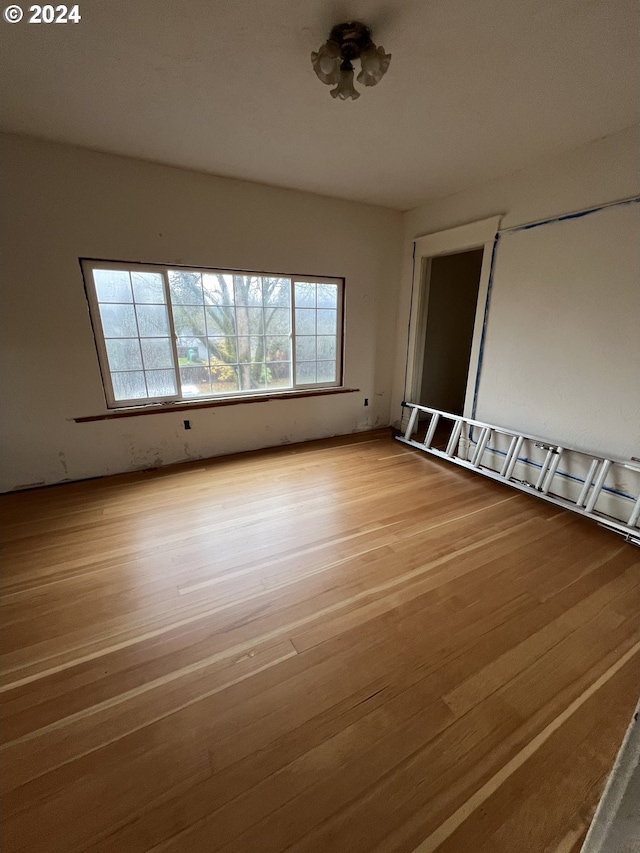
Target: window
point(167, 334)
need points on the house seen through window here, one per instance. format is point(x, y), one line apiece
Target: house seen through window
point(166, 334)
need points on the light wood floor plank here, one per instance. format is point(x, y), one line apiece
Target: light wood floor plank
point(579, 776)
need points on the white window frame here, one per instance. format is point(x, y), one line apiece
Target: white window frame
point(88, 265)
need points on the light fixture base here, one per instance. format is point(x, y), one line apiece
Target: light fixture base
point(352, 37)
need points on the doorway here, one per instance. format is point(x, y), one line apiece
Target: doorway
point(457, 262)
point(451, 297)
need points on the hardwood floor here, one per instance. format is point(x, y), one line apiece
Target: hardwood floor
point(338, 646)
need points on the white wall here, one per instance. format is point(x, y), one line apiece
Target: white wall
point(562, 342)
point(61, 203)
point(603, 171)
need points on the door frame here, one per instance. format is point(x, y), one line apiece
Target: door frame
point(475, 235)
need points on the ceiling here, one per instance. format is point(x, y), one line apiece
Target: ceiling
point(476, 88)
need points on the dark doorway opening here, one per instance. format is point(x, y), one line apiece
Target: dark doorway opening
point(452, 285)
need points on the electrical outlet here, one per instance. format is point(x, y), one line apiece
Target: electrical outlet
point(366, 401)
point(187, 424)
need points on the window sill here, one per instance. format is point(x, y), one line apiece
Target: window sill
point(182, 406)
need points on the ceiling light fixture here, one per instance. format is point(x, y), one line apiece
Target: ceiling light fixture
point(333, 61)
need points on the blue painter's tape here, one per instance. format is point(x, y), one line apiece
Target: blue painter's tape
point(567, 216)
point(564, 474)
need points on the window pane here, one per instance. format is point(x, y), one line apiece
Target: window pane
point(254, 316)
point(326, 347)
point(305, 348)
point(223, 350)
point(305, 295)
point(194, 381)
point(248, 289)
point(148, 287)
point(250, 350)
point(185, 287)
point(305, 372)
point(279, 374)
point(327, 322)
point(256, 345)
point(118, 321)
point(152, 321)
point(252, 376)
point(157, 353)
point(124, 354)
point(218, 289)
point(277, 321)
point(112, 285)
point(188, 322)
point(257, 349)
point(326, 371)
point(129, 386)
point(192, 352)
point(328, 296)
point(305, 321)
point(278, 348)
point(277, 291)
point(220, 321)
point(161, 383)
point(224, 378)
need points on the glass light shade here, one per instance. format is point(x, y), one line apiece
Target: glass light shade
point(326, 62)
point(345, 89)
point(374, 62)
